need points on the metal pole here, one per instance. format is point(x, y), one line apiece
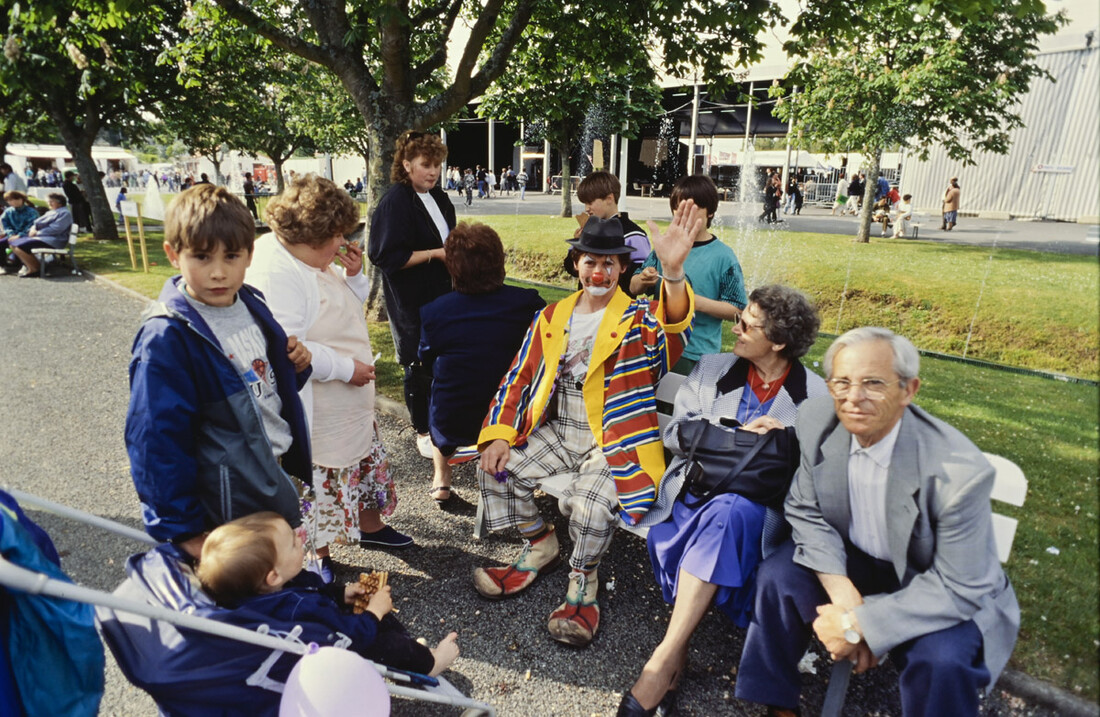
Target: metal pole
point(694, 130)
point(492, 148)
point(545, 166)
point(622, 164)
point(748, 123)
point(787, 165)
point(443, 172)
point(612, 154)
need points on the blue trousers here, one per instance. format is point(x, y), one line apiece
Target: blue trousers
point(941, 673)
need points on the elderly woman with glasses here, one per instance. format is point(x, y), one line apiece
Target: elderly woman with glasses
point(708, 553)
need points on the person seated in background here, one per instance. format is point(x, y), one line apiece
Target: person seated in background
point(880, 213)
point(707, 551)
point(16, 221)
point(600, 192)
point(712, 268)
point(50, 231)
point(468, 338)
point(256, 562)
point(903, 216)
point(892, 548)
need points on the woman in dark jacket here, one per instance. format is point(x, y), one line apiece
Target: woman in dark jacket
point(407, 233)
point(468, 339)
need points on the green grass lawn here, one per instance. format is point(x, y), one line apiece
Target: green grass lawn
point(1048, 427)
point(1028, 309)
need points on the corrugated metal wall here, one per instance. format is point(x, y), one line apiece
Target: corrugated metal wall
point(1062, 127)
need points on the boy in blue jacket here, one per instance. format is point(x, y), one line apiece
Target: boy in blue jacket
point(256, 562)
point(215, 428)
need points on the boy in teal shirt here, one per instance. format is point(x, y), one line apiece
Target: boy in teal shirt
point(711, 267)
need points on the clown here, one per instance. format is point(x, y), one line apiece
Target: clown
point(579, 399)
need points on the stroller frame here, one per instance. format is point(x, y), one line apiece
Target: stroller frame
point(28, 581)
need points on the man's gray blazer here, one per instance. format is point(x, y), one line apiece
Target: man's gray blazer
point(940, 530)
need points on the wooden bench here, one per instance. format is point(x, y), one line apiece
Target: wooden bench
point(1009, 486)
point(555, 485)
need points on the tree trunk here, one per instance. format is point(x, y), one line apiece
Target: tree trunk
point(566, 189)
point(383, 137)
point(102, 217)
point(864, 233)
point(78, 140)
point(280, 181)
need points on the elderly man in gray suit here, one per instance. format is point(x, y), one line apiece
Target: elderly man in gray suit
point(892, 545)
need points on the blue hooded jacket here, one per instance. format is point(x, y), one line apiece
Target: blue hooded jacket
point(199, 454)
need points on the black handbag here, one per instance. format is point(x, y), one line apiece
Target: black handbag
point(720, 460)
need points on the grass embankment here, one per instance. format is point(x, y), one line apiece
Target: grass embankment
point(1028, 308)
point(1048, 427)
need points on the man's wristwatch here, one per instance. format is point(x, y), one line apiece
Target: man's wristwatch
point(851, 635)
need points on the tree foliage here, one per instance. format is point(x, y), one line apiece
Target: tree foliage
point(85, 65)
point(893, 73)
point(238, 93)
point(390, 55)
point(560, 97)
point(21, 120)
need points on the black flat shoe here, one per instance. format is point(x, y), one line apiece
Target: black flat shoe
point(630, 707)
point(667, 707)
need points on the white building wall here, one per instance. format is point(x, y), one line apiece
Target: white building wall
point(1061, 127)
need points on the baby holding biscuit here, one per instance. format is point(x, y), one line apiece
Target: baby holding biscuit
point(256, 562)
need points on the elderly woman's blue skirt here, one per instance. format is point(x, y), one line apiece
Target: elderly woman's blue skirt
point(719, 543)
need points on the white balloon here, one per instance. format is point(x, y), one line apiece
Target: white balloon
point(332, 681)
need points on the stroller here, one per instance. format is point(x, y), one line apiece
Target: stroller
point(159, 623)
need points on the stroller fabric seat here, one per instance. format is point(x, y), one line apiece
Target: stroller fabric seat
point(189, 672)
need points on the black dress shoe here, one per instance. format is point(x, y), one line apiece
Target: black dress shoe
point(630, 707)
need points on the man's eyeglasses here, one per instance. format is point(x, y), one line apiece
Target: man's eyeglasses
point(874, 388)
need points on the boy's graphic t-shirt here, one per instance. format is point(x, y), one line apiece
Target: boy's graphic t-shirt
point(578, 351)
point(243, 343)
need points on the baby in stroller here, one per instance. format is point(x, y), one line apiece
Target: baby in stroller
point(256, 562)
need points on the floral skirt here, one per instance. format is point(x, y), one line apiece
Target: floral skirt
point(330, 507)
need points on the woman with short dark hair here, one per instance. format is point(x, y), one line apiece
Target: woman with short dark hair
point(407, 232)
point(468, 339)
point(708, 552)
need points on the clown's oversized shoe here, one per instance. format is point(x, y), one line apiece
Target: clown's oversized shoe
point(538, 557)
point(576, 620)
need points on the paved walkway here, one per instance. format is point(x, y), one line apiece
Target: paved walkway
point(1058, 237)
point(64, 360)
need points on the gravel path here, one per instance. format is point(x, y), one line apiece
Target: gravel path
point(64, 354)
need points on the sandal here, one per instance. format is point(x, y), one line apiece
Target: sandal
point(440, 500)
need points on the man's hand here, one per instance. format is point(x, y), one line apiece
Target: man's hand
point(298, 354)
point(829, 628)
point(862, 658)
point(673, 246)
point(495, 456)
point(364, 374)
